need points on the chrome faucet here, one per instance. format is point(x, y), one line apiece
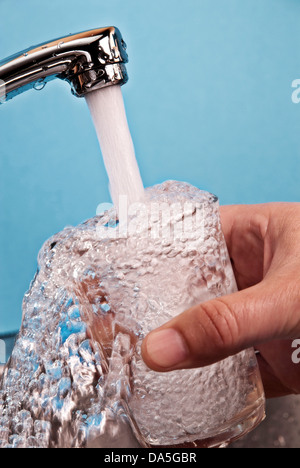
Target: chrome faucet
point(88, 60)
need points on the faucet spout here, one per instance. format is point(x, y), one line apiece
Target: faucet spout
point(88, 61)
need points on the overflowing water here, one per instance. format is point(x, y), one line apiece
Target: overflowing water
point(109, 117)
point(76, 377)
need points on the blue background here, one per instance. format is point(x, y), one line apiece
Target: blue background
point(208, 102)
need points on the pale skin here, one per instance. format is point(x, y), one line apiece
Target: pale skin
point(264, 245)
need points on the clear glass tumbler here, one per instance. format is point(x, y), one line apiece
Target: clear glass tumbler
point(179, 258)
point(76, 377)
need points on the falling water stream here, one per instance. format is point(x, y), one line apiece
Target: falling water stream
point(109, 117)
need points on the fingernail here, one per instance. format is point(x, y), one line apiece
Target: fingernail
point(166, 348)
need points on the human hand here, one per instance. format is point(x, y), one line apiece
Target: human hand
point(264, 245)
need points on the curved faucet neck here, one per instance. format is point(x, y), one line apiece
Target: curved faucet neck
point(88, 60)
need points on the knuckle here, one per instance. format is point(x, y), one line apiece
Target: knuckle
point(220, 324)
point(291, 297)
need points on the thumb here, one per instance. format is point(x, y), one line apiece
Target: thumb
point(215, 330)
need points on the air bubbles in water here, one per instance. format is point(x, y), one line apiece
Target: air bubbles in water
point(76, 377)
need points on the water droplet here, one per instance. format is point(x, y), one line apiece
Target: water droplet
point(60, 44)
point(39, 85)
point(25, 54)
